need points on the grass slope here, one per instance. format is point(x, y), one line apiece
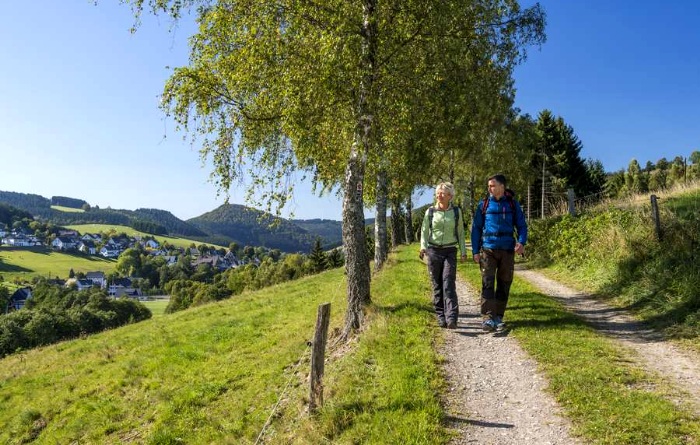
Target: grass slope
point(212, 374)
point(614, 251)
point(216, 373)
point(106, 228)
point(67, 209)
point(24, 263)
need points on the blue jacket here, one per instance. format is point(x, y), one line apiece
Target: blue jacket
point(496, 228)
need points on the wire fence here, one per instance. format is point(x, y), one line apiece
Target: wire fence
point(545, 203)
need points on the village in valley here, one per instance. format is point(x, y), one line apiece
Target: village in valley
point(110, 247)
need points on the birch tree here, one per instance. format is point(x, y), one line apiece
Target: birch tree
point(278, 87)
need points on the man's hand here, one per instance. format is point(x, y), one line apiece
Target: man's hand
point(519, 249)
point(477, 257)
point(421, 254)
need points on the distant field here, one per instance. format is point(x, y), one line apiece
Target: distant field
point(27, 263)
point(157, 307)
point(67, 209)
point(104, 228)
point(24, 263)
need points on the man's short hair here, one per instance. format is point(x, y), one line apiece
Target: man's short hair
point(499, 178)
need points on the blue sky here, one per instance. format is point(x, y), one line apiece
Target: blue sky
point(79, 110)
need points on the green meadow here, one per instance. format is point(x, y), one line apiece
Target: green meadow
point(107, 228)
point(22, 264)
point(67, 209)
point(235, 372)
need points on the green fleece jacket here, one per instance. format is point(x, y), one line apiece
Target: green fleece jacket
point(443, 230)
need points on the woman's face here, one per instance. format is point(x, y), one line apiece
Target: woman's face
point(443, 196)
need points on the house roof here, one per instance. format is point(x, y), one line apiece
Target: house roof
point(21, 294)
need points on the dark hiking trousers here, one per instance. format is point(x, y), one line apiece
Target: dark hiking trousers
point(496, 278)
point(442, 268)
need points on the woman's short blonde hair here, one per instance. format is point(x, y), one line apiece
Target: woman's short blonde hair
point(446, 186)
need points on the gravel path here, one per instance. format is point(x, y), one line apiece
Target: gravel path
point(496, 394)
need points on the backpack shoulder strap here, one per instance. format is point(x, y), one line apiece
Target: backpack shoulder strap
point(431, 210)
point(510, 196)
point(485, 204)
point(456, 210)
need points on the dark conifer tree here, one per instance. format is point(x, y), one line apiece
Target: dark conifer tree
point(318, 258)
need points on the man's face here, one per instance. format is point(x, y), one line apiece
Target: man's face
point(496, 189)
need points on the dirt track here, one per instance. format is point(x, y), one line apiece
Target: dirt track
point(501, 398)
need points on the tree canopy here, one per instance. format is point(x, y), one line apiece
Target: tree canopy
point(345, 91)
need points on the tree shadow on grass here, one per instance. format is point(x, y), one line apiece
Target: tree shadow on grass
point(11, 268)
point(454, 420)
point(538, 311)
point(85, 257)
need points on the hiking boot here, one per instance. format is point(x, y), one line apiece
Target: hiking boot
point(488, 325)
point(452, 324)
point(498, 323)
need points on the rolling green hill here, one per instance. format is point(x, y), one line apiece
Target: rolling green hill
point(226, 224)
point(331, 232)
point(22, 264)
point(252, 227)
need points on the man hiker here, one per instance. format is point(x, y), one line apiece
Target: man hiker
point(494, 245)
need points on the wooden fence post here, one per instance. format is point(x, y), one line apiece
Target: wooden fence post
point(318, 356)
point(572, 202)
point(655, 214)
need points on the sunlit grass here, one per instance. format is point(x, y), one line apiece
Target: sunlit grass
point(157, 307)
point(108, 228)
point(218, 373)
point(22, 264)
point(67, 209)
point(618, 252)
point(214, 373)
